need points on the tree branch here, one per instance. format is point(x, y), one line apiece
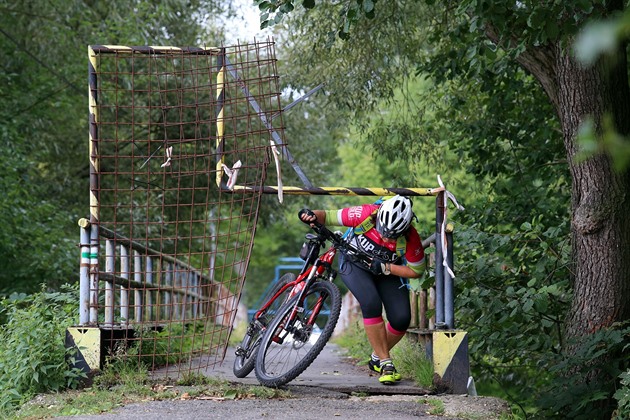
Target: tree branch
point(540, 62)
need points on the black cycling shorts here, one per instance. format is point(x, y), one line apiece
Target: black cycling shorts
point(377, 292)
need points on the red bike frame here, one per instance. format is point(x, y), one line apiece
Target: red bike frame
point(308, 273)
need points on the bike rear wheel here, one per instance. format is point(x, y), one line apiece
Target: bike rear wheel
point(246, 351)
point(288, 347)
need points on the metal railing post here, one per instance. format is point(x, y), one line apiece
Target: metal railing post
point(110, 262)
point(138, 303)
point(439, 269)
point(84, 273)
point(449, 295)
point(149, 291)
point(124, 291)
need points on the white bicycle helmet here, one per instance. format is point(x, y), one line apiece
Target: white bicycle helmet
point(394, 217)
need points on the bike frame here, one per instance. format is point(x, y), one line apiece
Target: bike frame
point(307, 274)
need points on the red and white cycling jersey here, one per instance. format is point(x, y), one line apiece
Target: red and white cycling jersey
point(372, 241)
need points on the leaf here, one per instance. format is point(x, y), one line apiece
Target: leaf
point(230, 394)
point(368, 6)
point(596, 39)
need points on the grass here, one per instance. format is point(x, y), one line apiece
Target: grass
point(412, 362)
point(437, 406)
point(355, 343)
point(237, 334)
point(120, 384)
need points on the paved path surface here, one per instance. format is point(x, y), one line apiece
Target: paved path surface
point(332, 387)
point(330, 371)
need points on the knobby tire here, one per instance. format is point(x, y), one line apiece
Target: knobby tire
point(244, 363)
point(278, 364)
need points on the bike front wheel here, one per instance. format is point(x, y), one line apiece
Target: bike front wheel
point(246, 351)
point(290, 345)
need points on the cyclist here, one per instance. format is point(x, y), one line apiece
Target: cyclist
point(384, 232)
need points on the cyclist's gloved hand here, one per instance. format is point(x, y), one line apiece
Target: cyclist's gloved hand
point(377, 266)
point(307, 216)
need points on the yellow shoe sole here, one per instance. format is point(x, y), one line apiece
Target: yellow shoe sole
point(387, 379)
point(397, 376)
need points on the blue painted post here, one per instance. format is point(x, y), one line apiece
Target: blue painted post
point(439, 269)
point(449, 295)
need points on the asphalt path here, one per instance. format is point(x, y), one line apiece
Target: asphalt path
point(330, 371)
point(332, 387)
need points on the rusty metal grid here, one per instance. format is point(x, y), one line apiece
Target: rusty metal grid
point(170, 245)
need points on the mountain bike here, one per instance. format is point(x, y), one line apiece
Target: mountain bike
point(287, 286)
point(303, 325)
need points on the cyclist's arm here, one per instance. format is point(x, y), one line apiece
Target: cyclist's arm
point(406, 271)
point(327, 215)
point(414, 257)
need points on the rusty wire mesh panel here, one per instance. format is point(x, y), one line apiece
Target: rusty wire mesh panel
point(173, 242)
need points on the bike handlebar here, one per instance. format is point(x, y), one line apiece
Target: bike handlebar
point(346, 248)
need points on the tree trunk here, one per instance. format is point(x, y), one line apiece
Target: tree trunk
point(600, 196)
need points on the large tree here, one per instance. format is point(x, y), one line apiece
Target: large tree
point(539, 37)
point(600, 199)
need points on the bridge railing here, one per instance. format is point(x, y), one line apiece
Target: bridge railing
point(142, 285)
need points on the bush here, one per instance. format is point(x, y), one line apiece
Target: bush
point(623, 397)
point(585, 381)
point(32, 350)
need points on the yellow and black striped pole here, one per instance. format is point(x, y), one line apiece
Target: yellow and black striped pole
point(92, 285)
point(348, 191)
point(85, 338)
point(219, 112)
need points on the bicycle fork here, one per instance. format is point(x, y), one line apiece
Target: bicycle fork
point(302, 331)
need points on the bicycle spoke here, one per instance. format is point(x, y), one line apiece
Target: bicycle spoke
point(289, 347)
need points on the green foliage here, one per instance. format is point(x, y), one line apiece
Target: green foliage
point(623, 397)
point(44, 135)
point(437, 406)
point(600, 39)
point(512, 295)
point(273, 11)
point(170, 345)
point(32, 351)
point(584, 382)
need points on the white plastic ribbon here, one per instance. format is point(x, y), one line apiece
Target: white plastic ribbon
point(447, 196)
point(232, 173)
point(276, 156)
point(169, 153)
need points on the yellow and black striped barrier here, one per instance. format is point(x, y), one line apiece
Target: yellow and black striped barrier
point(87, 343)
point(378, 192)
point(92, 345)
point(449, 352)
